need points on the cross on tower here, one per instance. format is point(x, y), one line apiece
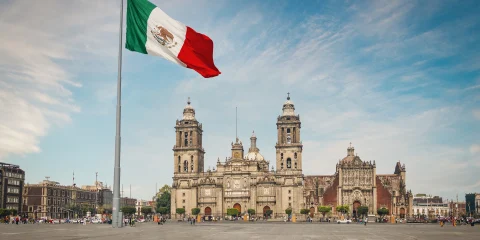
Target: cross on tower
point(288, 96)
point(350, 144)
point(188, 101)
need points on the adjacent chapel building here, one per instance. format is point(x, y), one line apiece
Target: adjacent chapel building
point(245, 181)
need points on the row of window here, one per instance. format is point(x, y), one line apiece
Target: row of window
point(14, 175)
point(13, 182)
point(289, 164)
point(185, 164)
point(12, 199)
point(13, 190)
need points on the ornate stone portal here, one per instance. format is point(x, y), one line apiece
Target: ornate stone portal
point(244, 181)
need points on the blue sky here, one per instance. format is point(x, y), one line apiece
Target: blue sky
point(398, 79)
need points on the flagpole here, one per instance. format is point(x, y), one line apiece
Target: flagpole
point(116, 222)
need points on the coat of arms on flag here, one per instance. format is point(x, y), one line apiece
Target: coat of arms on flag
point(163, 36)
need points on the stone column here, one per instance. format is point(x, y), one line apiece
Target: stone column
point(374, 200)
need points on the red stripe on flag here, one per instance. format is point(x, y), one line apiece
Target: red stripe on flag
point(197, 53)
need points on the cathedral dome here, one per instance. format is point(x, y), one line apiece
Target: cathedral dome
point(254, 156)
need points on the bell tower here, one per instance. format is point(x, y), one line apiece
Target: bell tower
point(188, 152)
point(289, 146)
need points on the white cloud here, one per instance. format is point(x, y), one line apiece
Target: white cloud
point(35, 81)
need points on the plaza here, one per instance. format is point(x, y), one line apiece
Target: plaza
point(239, 230)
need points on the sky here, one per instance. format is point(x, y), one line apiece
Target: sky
point(400, 80)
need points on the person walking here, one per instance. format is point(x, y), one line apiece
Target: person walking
point(366, 220)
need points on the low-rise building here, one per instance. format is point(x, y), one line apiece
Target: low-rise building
point(49, 199)
point(427, 206)
point(125, 201)
point(12, 179)
point(457, 209)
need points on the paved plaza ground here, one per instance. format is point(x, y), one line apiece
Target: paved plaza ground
point(239, 230)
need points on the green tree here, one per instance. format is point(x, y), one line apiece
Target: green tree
point(165, 189)
point(362, 211)
point(343, 208)
point(324, 210)
point(195, 211)
point(383, 211)
point(13, 212)
point(163, 200)
point(180, 211)
point(162, 210)
point(232, 212)
point(288, 211)
point(305, 212)
point(146, 210)
point(251, 212)
point(128, 210)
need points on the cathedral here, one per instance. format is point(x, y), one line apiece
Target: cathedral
point(245, 181)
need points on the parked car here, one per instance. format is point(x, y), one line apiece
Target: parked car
point(96, 221)
point(347, 221)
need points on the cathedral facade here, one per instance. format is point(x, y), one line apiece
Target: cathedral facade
point(245, 181)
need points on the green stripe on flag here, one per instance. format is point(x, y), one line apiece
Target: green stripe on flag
point(138, 12)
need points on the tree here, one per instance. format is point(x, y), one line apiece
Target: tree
point(288, 211)
point(128, 210)
point(251, 212)
point(305, 212)
point(232, 212)
point(195, 211)
point(343, 208)
point(162, 210)
point(180, 211)
point(13, 212)
point(165, 189)
point(324, 210)
point(383, 211)
point(362, 211)
point(163, 200)
point(146, 210)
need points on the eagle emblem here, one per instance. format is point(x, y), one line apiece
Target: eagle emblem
point(163, 36)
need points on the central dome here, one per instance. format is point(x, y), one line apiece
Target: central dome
point(254, 156)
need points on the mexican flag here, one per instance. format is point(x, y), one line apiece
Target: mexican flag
point(151, 31)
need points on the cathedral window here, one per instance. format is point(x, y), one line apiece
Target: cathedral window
point(179, 168)
point(289, 137)
point(289, 163)
point(186, 139)
point(185, 166)
point(281, 156)
point(179, 160)
point(192, 168)
point(295, 165)
point(295, 155)
point(281, 165)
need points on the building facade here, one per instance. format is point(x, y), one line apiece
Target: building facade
point(244, 180)
point(12, 179)
point(430, 207)
point(49, 199)
point(472, 201)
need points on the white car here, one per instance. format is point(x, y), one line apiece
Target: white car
point(96, 221)
point(347, 221)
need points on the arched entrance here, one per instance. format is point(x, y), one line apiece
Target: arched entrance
point(402, 212)
point(312, 211)
point(208, 211)
point(356, 204)
point(265, 209)
point(238, 207)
